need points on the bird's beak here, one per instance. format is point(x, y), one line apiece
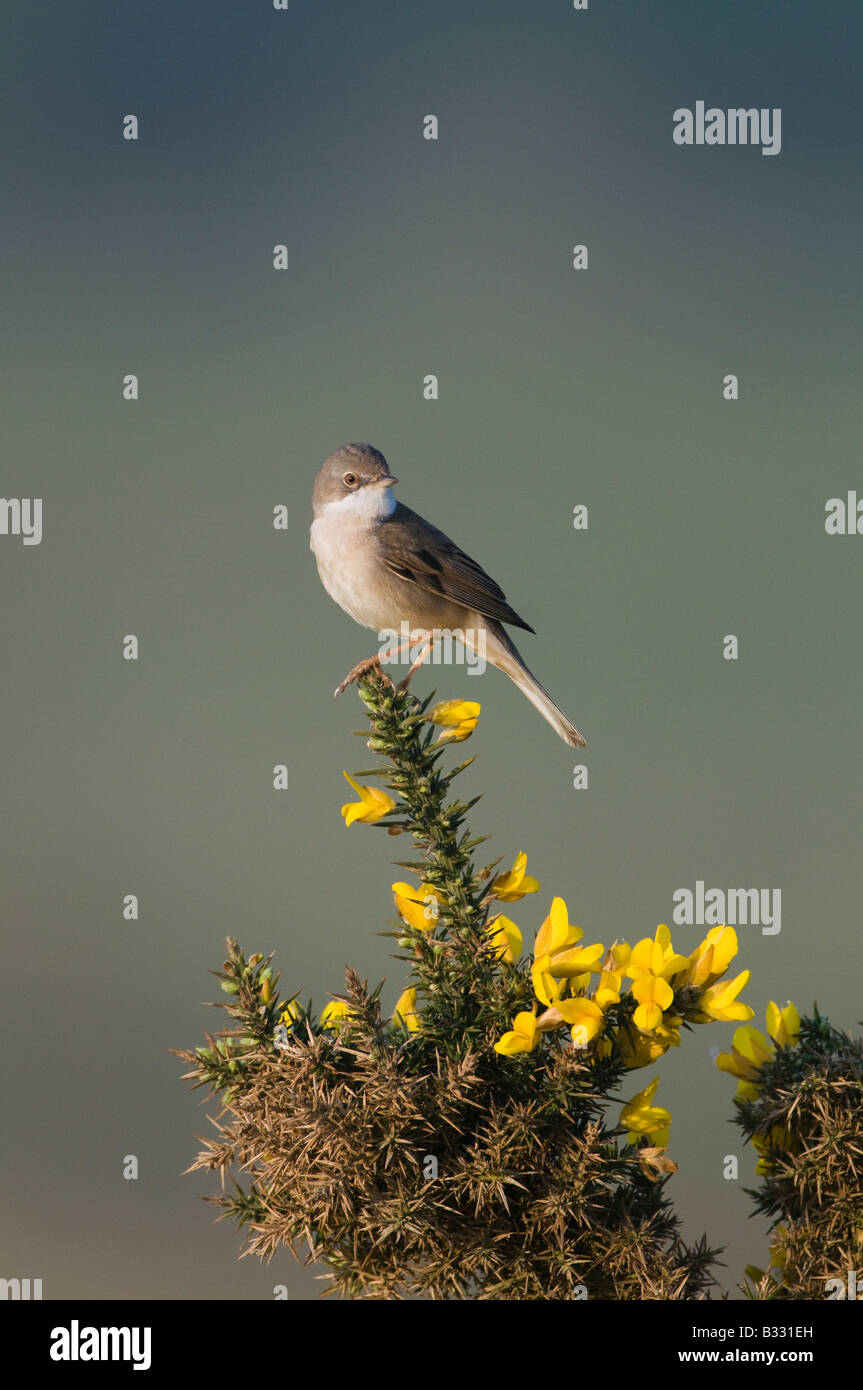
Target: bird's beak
point(387, 482)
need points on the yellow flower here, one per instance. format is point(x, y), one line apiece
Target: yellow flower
point(669, 1031)
point(506, 936)
point(588, 1021)
point(332, 1012)
point(783, 1025)
point(557, 932)
point(613, 969)
point(720, 1001)
point(511, 886)
point(459, 718)
point(712, 958)
point(373, 804)
point(406, 1010)
point(643, 1119)
point(653, 962)
point(523, 1038)
point(708, 962)
point(584, 1015)
point(654, 996)
point(557, 955)
point(749, 1052)
point(656, 956)
point(608, 990)
point(290, 1013)
point(641, 1049)
point(418, 906)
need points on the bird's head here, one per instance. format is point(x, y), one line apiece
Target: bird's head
point(356, 478)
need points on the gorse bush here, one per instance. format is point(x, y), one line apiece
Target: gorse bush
point(482, 1142)
point(800, 1104)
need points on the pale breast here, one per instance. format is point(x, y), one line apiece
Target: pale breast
point(350, 571)
point(353, 573)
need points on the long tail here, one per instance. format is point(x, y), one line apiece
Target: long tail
point(501, 652)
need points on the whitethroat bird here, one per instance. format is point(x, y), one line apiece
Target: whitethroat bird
point(388, 569)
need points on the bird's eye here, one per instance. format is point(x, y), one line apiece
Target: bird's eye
point(351, 480)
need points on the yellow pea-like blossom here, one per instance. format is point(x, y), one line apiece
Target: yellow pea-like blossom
point(458, 717)
point(654, 996)
point(720, 1001)
point(712, 957)
point(557, 954)
point(515, 883)
point(642, 1119)
point(290, 1013)
point(372, 806)
point(638, 1049)
point(584, 1016)
point(405, 1010)
point(783, 1025)
point(418, 906)
point(506, 938)
point(607, 992)
point(524, 1036)
point(588, 1024)
point(656, 956)
point(751, 1051)
point(613, 969)
point(652, 964)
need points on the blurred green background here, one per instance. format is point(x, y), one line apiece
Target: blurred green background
point(407, 257)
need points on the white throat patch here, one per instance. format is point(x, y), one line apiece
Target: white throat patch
point(370, 503)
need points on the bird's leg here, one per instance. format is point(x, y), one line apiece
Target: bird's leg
point(371, 661)
point(394, 652)
point(403, 684)
point(358, 671)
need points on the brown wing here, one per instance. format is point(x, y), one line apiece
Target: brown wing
point(417, 551)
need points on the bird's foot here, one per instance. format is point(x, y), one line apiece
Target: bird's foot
point(370, 663)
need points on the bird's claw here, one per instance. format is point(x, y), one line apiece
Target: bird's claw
point(358, 671)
